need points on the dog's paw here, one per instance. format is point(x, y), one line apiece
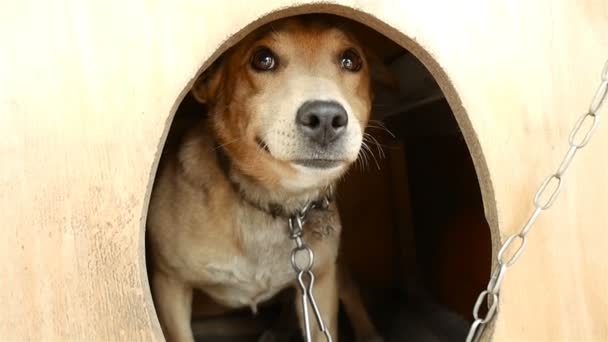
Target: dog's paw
point(274, 336)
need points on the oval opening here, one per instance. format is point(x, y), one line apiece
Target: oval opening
point(415, 236)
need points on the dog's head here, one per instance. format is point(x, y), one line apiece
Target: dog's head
point(290, 102)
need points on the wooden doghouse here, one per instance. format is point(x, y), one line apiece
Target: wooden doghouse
point(88, 91)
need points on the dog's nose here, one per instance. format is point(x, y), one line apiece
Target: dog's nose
point(322, 121)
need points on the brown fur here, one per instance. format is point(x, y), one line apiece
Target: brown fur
point(201, 232)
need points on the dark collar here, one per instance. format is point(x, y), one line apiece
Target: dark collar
point(271, 208)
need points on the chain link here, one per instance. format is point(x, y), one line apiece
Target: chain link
point(303, 269)
point(543, 199)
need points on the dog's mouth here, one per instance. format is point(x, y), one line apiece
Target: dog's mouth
point(318, 163)
point(313, 163)
point(262, 144)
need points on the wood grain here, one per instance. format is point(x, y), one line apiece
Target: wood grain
point(88, 89)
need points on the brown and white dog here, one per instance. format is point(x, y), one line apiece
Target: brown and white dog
point(287, 110)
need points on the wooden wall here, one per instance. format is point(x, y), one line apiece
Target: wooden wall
point(88, 89)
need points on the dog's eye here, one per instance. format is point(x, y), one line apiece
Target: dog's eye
point(350, 60)
point(263, 60)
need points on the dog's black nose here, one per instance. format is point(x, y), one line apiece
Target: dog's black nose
point(322, 121)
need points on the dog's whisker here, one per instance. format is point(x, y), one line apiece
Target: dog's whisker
point(359, 160)
point(228, 143)
point(363, 152)
point(368, 153)
point(380, 125)
point(357, 163)
point(382, 129)
point(364, 157)
point(378, 145)
point(366, 135)
point(380, 148)
point(375, 125)
point(377, 122)
point(375, 160)
point(383, 105)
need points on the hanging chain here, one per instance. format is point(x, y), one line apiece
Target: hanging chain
point(543, 200)
point(302, 260)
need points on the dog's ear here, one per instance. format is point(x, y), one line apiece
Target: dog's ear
point(206, 87)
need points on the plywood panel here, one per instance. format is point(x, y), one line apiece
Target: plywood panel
point(87, 90)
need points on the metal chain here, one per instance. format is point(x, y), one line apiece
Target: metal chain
point(305, 277)
point(543, 200)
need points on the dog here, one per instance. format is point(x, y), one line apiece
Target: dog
point(286, 112)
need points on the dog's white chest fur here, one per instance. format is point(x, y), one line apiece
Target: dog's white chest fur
point(260, 271)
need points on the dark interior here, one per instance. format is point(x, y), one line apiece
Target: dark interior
point(415, 234)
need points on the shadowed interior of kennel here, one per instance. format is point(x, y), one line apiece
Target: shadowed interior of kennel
point(414, 233)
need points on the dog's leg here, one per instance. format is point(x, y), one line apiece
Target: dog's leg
point(349, 294)
point(173, 301)
point(326, 295)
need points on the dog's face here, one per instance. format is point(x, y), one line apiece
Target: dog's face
point(290, 103)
